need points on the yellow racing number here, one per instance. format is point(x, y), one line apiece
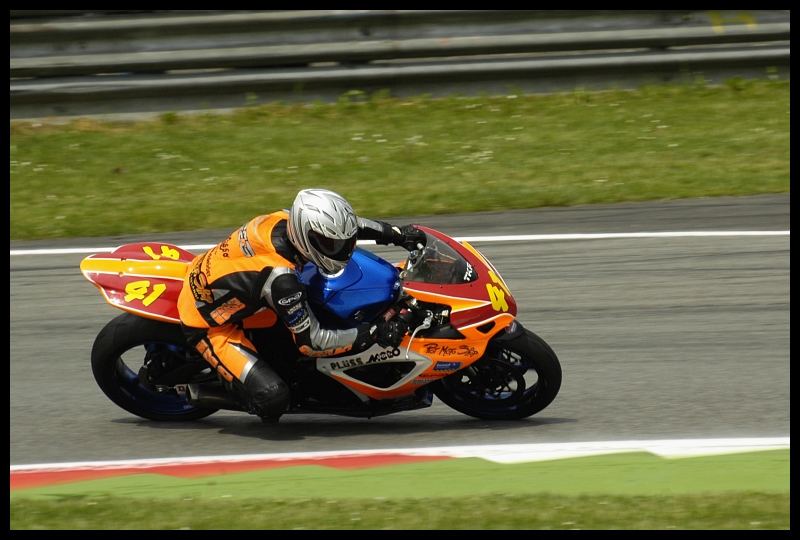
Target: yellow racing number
point(497, 297)
point(140, 290)
point(498, 294)
point(166, 251)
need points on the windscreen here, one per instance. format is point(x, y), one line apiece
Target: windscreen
point(438, 263)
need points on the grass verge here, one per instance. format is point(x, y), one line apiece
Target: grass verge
point(618, 491)
point(730, 511)
point(393, 157)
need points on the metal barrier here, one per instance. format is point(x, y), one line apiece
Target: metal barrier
point(84, 62)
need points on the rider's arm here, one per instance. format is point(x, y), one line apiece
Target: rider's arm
point(285, 294)
point(380, 231)
point(384, 233)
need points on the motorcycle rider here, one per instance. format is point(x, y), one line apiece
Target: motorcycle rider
point(253, 273)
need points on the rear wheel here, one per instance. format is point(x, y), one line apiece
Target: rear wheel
point(514, 379)
point(142, 365)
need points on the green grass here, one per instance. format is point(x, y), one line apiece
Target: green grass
point(731, 511)
point(393, 157)
point(622, 491)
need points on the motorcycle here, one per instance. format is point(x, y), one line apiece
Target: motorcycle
point(464, 345)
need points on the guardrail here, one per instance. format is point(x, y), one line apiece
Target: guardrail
point(76, 63)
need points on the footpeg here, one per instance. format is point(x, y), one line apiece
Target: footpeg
point(212, 397)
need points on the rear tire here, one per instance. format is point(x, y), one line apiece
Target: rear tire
point(125, 344)
point(516, 378)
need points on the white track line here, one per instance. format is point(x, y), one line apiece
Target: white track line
point(507, 453)
point(471, 239)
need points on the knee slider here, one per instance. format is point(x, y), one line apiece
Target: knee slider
point(268, 394)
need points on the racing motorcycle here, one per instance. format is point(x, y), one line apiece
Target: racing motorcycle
point(464, 345)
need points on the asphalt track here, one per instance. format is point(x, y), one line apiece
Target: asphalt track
point(683, 337)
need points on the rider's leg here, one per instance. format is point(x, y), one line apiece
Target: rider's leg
point(234, 357)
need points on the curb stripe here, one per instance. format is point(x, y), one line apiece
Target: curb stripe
point(28, 476)
point(24, 479)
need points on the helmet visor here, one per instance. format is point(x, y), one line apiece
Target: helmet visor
point(333, 248)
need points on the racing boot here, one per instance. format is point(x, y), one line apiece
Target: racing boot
point(267, 394)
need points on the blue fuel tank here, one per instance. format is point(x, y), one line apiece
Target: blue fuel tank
point(367, 287)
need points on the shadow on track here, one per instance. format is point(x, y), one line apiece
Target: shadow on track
point(300, 427)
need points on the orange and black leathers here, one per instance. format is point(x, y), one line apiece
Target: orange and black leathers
point(250, 278)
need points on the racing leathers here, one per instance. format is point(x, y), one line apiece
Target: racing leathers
point(250, 279)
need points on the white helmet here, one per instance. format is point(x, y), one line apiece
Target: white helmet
point(324, 228)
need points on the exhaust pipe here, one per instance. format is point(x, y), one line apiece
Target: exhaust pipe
point(212, 397)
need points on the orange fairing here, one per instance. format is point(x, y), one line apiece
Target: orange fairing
point(144, 278)
point(478, 309)
point(474, 303)
point(432, 359)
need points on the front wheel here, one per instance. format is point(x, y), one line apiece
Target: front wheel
point(514, 379)
point(141, 364)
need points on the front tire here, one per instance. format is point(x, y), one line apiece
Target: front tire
point(129, 342)
point(515, 378)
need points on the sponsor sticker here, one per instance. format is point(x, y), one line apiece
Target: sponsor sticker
point(383, 355)
point(295, 317)
point(244, 243)
point(447, 366)
point(347, 363)
point(302, 325)
point(468, 273)
point(290, 299)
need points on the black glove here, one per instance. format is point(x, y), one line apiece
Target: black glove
point(385, 334)
point(388, 334)
point(409, 237)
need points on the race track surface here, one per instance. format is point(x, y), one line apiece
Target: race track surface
point(683, 337)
